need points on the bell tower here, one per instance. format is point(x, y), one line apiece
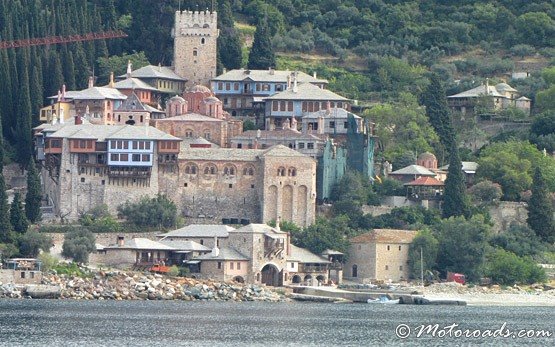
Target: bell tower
point(195, 41)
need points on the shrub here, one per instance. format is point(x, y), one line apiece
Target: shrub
point(32, 242)
point(154, 212)
point(507, 268)
point(485, 192)
point(48, 261)
point(78, 244)
point(174, 271)
point(520, 240)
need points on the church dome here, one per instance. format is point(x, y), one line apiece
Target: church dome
point(177, 98)
point(197, 88)
point(211, 100)
point(427, 156)
point(427, 160)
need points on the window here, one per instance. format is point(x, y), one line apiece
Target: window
point(114, 157)
point(202, 242)
point(191, 169)
point(301, 145)
point(388, 247)
point(227, 86)
point(188, 133)
point(210, 170)
point(354, 272)
point(292, 265)
point(195, 53)
point(252, 185)
point(346, 125)
point(136, 144)
point(185, 185)
point(124, 157)
point(281, 171)
point(146, 157)
point(229, 170)
point(231, 265)
point(82, 143)
point(220, 85)
point(83, 179)
point(387, 267)
point(401, 268)
point(135, 157)
point(399, 247)
point(332, 124)
point(207, 134)
point(310, 145)
point(238, 266)
point(291, 171)
point(230, 185)
point(235, 86)
point(282, 106)
point(248, 171)
point(274, 105)
point(290, 106)
point(141, 145)
point(103, 182)
point(258, 87)
point(202, 41)
point(219, 265)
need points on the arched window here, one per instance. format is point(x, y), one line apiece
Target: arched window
point(281, 171)
point(203, 40)
point(195, 52)
point(248, 171)
point(207, 134)
point(210, 169)
point(355, 271)
point(229, 170)
point(191, 169)
point(188, 133)
point(291, 171)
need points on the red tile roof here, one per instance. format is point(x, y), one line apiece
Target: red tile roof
point(425, 181)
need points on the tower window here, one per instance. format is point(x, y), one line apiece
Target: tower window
point(195, 52)
point(202, 41)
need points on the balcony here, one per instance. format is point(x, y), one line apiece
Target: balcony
point(313, 268)
point(129, 172)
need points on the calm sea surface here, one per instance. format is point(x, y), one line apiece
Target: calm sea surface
point(164, 323)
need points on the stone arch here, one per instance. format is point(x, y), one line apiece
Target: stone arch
point(321, 278)
point(308, 279)
point(291, 171)
point(210, 169)
point(296, 279)
point(271, 202)
point(270, 275)
point(239, 279)
point(248, 170)
point(287, 203)
point(302, 200)
point(230, 170)
point(191, 168)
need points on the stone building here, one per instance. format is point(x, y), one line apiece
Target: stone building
point(195, 44)
point(85, 165)
point(163, 78)
point(380, 255)
point(254, 253)
point(134, 112)
point(333, 121)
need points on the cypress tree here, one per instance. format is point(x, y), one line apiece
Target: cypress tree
point(17, 216)
point(81, 67)
point(24, 139)
point(36, 94)
point(229, 46)
point(53, 79)
point(34, 194)
point(6, 231)
point(68, 68)
point(540, 209)
point(435, 100)
point(5, 91)
point(262, 55)
point(455, 202)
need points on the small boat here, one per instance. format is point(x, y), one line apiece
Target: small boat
point(382, 300)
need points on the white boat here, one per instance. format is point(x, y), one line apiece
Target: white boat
point(382, 300)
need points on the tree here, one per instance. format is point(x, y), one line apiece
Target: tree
point(522, 50)
point(435, 100)
point(455, 202)
point(34, 194)
point(262, 55)
point(78, 243)
point(520, 240)
point(158, 212)
point(229, 45)
point(6, 230)
point(462, 245)
point(545, 99)
point(32, 242)
point(536, 28)
point(426, 244)
point(325, 234)
point(17, 215)
point(118, 64)
point(23, 130)
point(248, 125)
point(540, 209)
point(507, 268)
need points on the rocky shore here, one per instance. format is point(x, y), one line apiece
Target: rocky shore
point(120, 285)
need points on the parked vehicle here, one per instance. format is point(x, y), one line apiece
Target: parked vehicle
point(456, 277)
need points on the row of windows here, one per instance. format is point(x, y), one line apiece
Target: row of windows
point(309, 145)
point(211, 169)
point(282, 106)
point(120, 144)
point(265, 87)
point(169, 144)
point(291, 171)
point(134, 157)
point(82, 144)
point(189, 133)
point(53, 143)
point(313, 106)
point(169, 84)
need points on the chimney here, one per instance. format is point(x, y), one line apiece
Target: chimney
point(487, 86)
point(328, 107)
point(314, 74)
point(288, 81)
point(215, 250)
point(63, 92)
point(129, 68)
point(224, 70)
point(78, 120)
point(120, 241)
point(270, 70)
point(295, 89)
point(111, 84)
point(278, 221)
point(91, 81)
point(320, 129)
point(159, 67)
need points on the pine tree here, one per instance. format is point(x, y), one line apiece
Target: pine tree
point(17, 216)
point(540, 209)
point(24, 139)
point(34, 194)
point(262, 54)
point(6, 231)
point(229, 45)
point(455, 201)
point(435, 100)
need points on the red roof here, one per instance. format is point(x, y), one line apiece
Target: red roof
point(425, 181)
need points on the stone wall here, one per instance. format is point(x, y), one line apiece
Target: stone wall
point(392, 262)
point(376, 210)
point(506, 212)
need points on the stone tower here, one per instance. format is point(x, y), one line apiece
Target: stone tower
point(195, 36)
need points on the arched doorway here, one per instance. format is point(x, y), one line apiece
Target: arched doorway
point(296, 279)
point(355, 271)
point(321, 279)
point(308, 280)
point(239, 279)
point(270, 275)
